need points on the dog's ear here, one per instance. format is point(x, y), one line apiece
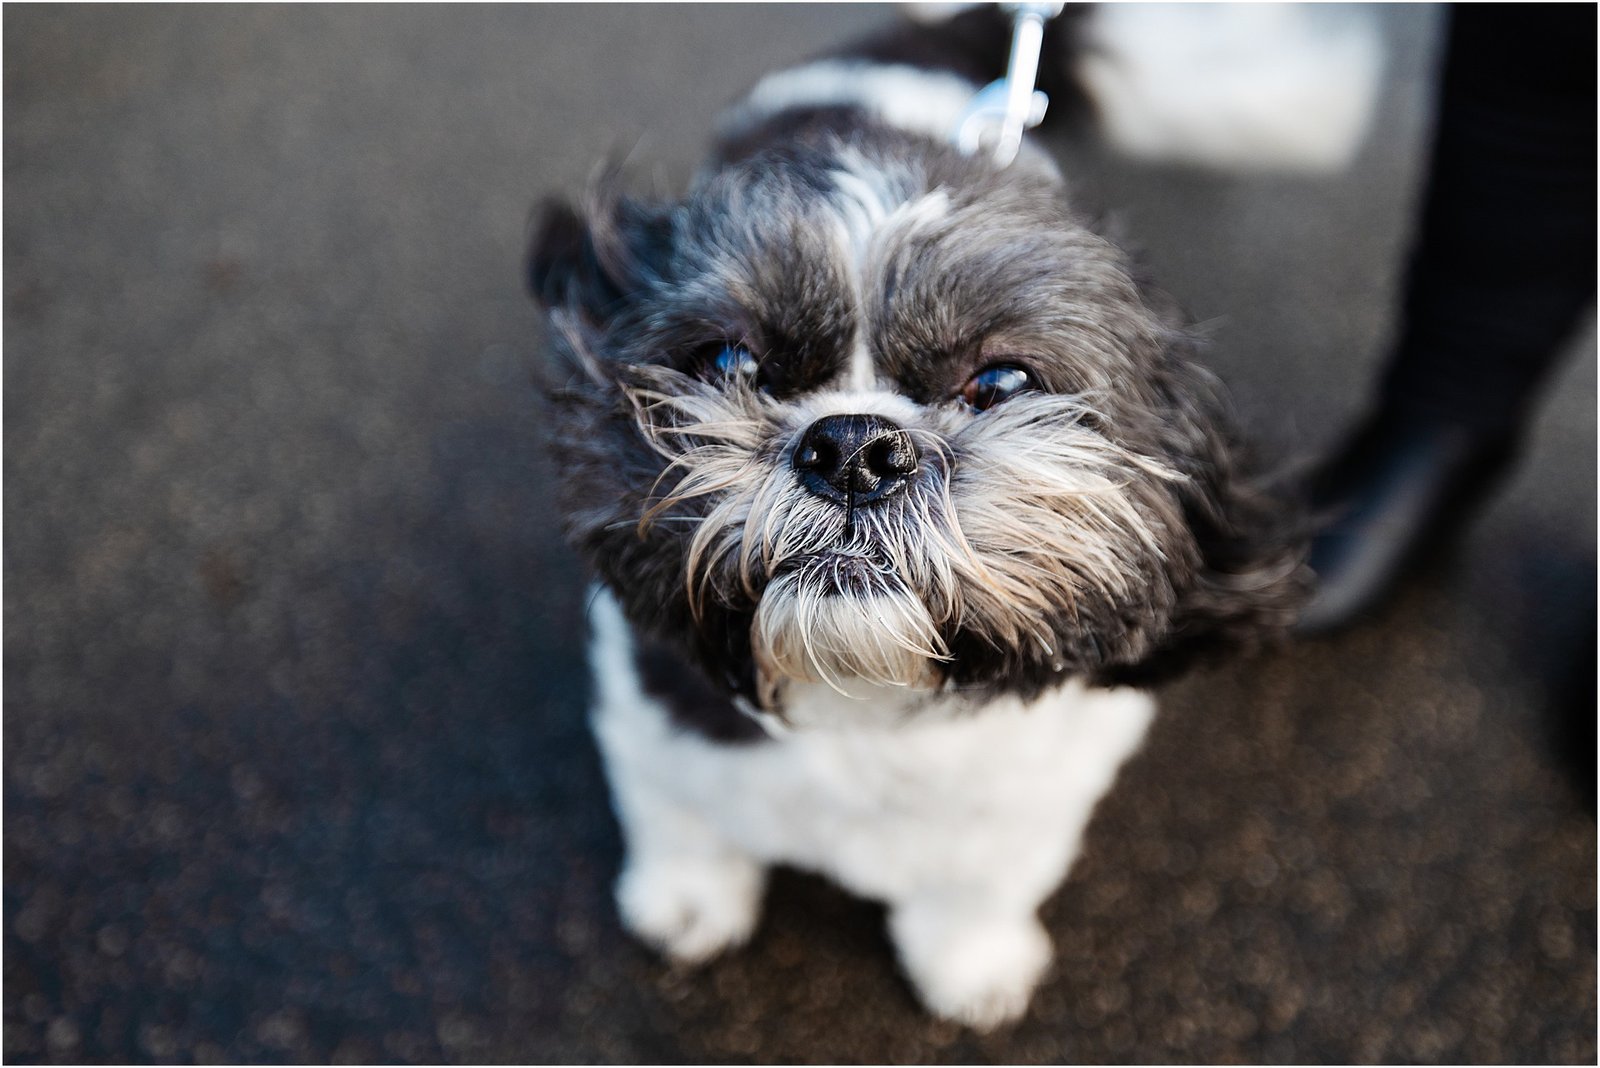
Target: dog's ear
point(590, 262)
point(1249, 531)
point(1252, 580)
point(563, 269)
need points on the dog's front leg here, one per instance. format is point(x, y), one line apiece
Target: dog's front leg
point(973, 957)
point(683, 889)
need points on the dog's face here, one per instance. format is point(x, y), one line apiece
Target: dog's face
point(881, 412)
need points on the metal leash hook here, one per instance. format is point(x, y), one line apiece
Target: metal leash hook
point(1012, 102)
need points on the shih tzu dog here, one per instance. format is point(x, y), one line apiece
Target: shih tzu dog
point(900, 483)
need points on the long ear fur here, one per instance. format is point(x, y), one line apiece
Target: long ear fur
point(586, 265)
point(563, 266)
point(590, 261)
point(1251, 580)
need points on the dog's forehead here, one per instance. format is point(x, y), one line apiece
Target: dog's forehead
point(863, 270)
point(823, 212)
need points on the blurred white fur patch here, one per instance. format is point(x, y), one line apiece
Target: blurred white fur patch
point(1239, 86)
point(933, 11)
point(928, 102)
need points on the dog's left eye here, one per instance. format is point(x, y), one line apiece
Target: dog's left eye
point(996, 383)
point(734, 363)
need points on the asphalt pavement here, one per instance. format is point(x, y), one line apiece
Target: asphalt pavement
point(295, 761)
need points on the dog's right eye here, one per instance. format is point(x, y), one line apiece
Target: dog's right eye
point(733, 363)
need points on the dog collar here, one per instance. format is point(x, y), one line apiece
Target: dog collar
point(1001, 111)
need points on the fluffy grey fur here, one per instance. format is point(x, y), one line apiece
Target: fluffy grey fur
point(1097, 526)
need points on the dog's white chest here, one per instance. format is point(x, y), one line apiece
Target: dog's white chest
point(994, 799)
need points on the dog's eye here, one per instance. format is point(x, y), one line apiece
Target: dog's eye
point(734, 363)
point(995, 383)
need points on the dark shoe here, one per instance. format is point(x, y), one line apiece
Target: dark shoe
point(1397, 489)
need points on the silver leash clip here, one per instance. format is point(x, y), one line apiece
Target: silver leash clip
point(1002, 110)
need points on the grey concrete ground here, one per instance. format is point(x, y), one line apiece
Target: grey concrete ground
point(295, 765)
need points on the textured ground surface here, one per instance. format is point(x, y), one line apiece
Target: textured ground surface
point(295, 766)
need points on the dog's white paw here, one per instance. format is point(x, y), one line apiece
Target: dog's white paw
point(979, 970)
point(691, 909)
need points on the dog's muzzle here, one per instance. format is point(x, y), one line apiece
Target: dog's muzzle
point(855, 459)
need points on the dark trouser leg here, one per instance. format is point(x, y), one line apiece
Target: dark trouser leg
point(1504, 263)
point(1503, 266)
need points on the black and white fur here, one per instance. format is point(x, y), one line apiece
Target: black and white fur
point(922, 696)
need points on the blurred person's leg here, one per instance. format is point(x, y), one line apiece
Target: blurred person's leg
point(1503, 267)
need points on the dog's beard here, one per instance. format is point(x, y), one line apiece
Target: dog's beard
point(841, 617)
point(1017, 515)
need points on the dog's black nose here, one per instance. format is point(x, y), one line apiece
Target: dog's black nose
point(855, 459)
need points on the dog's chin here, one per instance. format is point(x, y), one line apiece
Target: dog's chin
point(845, 620)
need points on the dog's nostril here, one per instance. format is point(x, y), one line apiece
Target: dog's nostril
point(892, 454)
point(854, 458)
point(814, 456)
